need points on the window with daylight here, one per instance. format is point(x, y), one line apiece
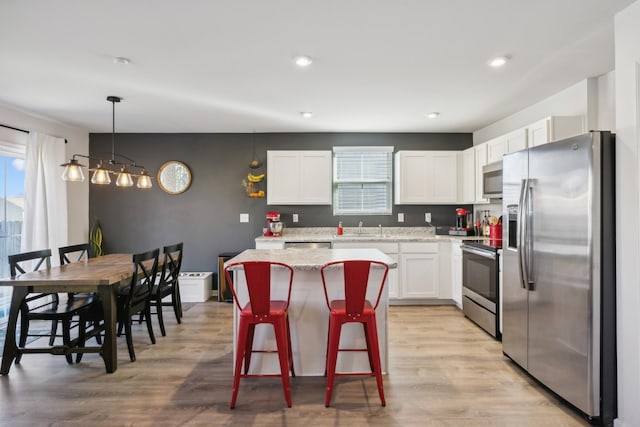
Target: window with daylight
point(11, 208)
point(362, 180)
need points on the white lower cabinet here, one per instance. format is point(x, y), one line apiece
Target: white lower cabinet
point(274, 244)
point(456, 273)
point(390, 249)
point(418, 270)
point(427, 272)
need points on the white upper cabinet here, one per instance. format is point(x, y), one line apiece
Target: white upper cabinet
point(467, 176)
point(423, 177)
point(515, 141)
point(553, 129)
point(481, 160)
point(495, 149)
point(505, 144)
point(299, 177)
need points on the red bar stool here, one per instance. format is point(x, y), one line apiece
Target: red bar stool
point(354, 308)
point(261, 309)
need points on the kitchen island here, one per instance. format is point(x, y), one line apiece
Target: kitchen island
point(308, 312)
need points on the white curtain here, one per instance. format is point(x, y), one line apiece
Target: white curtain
point(45, 194)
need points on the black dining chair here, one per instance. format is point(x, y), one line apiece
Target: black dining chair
point(167, 285)
point(134, 298)
point(78, 253)
point(137, 296)
point(45, 306)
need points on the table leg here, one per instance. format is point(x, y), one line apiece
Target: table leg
point(107, 294)
point(10, 348)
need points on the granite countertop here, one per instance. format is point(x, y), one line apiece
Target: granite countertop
point(311, 259)
point(366, 234)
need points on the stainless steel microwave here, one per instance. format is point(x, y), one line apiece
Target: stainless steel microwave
point(492, 180)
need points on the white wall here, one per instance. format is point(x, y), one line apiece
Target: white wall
point(606, 102)
point(627, 54)
point(77, 142)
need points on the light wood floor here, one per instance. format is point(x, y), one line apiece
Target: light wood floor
point(444, 371)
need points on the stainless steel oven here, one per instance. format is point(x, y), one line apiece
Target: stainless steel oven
point(480, 286)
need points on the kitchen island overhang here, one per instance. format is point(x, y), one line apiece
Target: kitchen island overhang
point(308, 312)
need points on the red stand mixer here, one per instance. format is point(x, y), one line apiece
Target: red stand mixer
point(274, 226)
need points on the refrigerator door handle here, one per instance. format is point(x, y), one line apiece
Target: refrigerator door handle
point(527, 244)
point(520, 238)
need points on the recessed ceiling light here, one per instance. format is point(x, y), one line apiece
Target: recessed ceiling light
point(498, 61)
point(302, 61)
point(306, 114)
point(121, 60)
point(433, 115)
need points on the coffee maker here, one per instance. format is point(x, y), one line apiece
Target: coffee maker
point(464, 223)
point(274, 226)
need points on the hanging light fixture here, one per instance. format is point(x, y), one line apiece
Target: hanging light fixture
point(105, 167)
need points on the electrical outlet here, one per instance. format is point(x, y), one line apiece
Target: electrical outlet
point(400, 217)
point(295, 217)
point(427, 217)
point(244, 217)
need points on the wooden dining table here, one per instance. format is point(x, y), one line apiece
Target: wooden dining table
point(103, 275)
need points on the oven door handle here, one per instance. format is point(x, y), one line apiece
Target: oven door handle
point(479, 252)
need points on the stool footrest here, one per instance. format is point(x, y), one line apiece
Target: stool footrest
point(355, 374)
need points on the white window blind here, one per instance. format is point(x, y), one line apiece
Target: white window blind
point(362, 180)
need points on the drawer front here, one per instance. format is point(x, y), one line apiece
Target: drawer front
point(387, 248)
point(419, 247)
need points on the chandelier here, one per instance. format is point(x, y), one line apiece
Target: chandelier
point(118, 164)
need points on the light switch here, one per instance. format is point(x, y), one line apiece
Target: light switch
point(427, 217)
point(295, 217)
point(400, 217)
point(244, 217)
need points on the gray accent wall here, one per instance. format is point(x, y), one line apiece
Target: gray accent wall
point(207, 216)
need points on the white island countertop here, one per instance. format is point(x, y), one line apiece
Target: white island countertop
point(311, 259)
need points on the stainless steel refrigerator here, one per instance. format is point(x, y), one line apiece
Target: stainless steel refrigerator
point(559, 270)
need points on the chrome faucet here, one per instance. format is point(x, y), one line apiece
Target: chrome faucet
point(360, 227)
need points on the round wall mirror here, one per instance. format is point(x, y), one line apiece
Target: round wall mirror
point(174, 177)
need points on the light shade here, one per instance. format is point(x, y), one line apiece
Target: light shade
point(124, 178)
point(100, 175)
point(72, 171)
point(144, 180)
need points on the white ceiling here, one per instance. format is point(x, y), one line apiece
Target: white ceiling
point(226, 66)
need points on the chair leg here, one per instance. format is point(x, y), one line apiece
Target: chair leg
point(366, 339)
point(54, 331)
point(24, 331)
point(375, 353)
point(96, 324)
point(335, 328)
point(177, 303)
point(66, 339)
point(248, 348)
point(290, 348)
point(158, 304)
point(82, 332)
point(283, 356)
point(149, 324)
point(127, 331)
point(243, 330)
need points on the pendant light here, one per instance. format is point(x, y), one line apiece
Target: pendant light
point(103, 171)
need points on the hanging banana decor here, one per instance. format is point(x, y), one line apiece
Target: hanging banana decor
point(252, 183)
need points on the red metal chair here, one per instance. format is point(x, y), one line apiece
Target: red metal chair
point(354, 308)
point(261, 309)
